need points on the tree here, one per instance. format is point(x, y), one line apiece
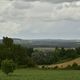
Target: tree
point(62, 53)
point(77, 51)
point(30, 51)
point(7, 41)
point(71, 53)
point(7, 66)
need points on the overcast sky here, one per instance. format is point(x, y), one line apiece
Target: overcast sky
point(48, 19)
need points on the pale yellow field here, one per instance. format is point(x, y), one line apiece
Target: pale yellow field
point(65, 64)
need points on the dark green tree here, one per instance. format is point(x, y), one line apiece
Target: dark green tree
point(62, 53)
point(7, 41)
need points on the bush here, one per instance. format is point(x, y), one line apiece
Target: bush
point(75, 66)
point(68, 67)
point(43, 67)
point(7, 66)
point(78, 67)
point(56, 67)
point(31, 63)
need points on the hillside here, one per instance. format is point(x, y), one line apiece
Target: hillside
point(47, 43)
point(65, 64)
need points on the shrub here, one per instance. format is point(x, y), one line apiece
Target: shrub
point(68, 67)
point(43, 67)
point(7, 66)
point(56, 67)
point(31, 63)
point(78, 67)
point(75, 66)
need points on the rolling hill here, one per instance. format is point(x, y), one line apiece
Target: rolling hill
point(48, 43)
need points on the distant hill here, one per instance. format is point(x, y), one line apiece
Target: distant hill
point(47, 43)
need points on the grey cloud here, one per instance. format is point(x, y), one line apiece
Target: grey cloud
point(38, 22)
point(52, 30)
point(54, 1)
point(44, 12)
point(22, 5)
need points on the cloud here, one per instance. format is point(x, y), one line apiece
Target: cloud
point(54, 1)
point(4, 4)
point(21, 11)
point(52, 30)
point(40, 18)
point(9, 28)
point(22, 4)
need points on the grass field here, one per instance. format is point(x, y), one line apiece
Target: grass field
point(35, 74)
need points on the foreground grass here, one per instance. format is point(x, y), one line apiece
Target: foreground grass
point(35, 74)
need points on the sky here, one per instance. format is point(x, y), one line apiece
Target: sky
point(40, 19)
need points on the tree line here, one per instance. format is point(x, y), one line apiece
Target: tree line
point(56, 56)
point(20, 55)
point(28, 57)
point(12, 55)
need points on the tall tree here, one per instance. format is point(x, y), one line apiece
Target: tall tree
point(7, 41)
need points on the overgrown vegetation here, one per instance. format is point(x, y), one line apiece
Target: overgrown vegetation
point(27, 57)
point(57, 56)
point(7, 66)
point(20, 55)
point(74, 66)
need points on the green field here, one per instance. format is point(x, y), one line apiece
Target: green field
point(35, 74)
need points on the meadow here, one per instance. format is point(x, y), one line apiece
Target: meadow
point(36, 74)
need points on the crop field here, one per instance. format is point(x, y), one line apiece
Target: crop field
point(36, 74)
